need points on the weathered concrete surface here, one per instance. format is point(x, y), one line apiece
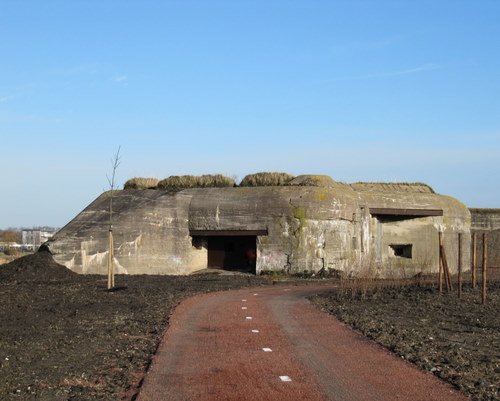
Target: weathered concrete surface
point(149, 229)
point(309, 228)
point(487, 221)
point(301, 222)
point(419, 231)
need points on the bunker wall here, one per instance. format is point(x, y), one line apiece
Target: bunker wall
point(297, 229)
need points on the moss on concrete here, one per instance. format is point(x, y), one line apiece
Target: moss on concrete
point(312, 181)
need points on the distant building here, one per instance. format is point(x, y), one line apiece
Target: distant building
point(32, 239)
point(8, 245)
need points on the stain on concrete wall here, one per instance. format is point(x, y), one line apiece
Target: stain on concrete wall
point(487, 221)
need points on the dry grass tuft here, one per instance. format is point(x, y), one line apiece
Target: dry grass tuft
point(476, 210)
point(314, 180)
point(265, 179)
point(195, 181)
point(141, 183)
point(393, 187)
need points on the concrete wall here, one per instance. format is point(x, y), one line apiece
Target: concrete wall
point(421, 232)
point(150, 233)
point(487, 221)
point(308, 229)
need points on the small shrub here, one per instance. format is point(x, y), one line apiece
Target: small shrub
point(11, 252)
point(193, 181)
point(310, 180)
point(266, 179)
point(141, 183)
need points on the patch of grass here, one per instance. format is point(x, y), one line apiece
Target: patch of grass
point(6, 258)
point(393, 187)
point(312, 180)
point(476, 210)
point(266, 179)
point(141, 183)
point(194, 181)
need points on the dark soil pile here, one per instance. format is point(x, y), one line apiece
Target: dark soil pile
point(455, 339)
point(36, 267)
point(63, 336)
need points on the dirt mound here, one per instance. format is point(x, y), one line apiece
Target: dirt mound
point(39, 266)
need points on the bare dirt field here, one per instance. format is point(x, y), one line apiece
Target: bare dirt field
point(64, 337)
point(455, 339)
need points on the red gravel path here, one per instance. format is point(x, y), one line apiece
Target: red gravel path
point(210, 353)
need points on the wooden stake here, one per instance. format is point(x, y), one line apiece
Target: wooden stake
point(440, 262)
point(459, 265)
point(111, 273)
point(474, 251)
point(112, 261)
point(449, 284)
point(485, 257)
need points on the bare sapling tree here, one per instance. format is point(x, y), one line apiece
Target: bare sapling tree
point(115, 162)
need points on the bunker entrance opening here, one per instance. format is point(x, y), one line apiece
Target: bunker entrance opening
point(230, 250)
point(232, 253)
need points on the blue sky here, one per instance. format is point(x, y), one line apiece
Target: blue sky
point(358, 90)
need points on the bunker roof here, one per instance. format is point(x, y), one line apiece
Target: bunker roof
point(393, 187)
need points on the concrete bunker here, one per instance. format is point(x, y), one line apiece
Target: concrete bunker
point(312, 223)
point(399, 235)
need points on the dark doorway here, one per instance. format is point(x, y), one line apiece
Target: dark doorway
point(232, 253)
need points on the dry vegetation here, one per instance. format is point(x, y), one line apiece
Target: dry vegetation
point(194, 181)
point(141, 183)
point(262, 179)
point(6, 257)
point(393, 187)
point(266, 179)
